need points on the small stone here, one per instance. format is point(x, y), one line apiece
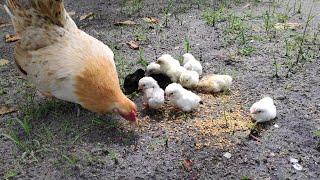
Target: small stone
point(276, 126)
point(272, 154)
point(297, 166)
point(294, 160)
point(227, 155)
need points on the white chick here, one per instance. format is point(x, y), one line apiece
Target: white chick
point(153, 68)
point(215, 83)
point(263, 110)
point(170, 67)
point(153, 94)
point(189, 79)
point(170, 59)
point(191, 64)
point(182, 98)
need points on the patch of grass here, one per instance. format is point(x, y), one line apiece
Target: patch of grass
point(211, 16)
point(316, 133)
point(139, 34)
point(2, 92)
point(166, 12)
point(142, 61)
point(300, 41)
point(109, 124)
point(10, 174)
point(245, 178)
point(132, 6)
point(71, 160)
point(246, 50)
point(113, 156)
point(15, 139)
point(25, 125)
point(186, 45)
point(276, 66)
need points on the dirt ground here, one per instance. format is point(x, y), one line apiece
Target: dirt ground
point(56, 144)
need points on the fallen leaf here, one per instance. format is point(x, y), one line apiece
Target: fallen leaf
point(197, 146)
point(11, 38)
point(133, 45)
point(6, 109)
point(151, 20)
point(125, 23)
point(86, 16)
point(187, 164)
point(72, 13)
point(3, 62)
point(289, 25)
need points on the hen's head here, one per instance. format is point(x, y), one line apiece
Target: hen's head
point(97, 89)
point(126, 109)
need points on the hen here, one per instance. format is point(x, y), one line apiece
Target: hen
point(64, 62)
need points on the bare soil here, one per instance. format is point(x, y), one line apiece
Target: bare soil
point(168, 144)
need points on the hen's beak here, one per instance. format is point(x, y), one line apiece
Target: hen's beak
point(132, 116)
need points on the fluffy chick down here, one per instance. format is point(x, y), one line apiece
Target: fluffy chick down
point(191, 64)
point(263, 110)
point(189, 79)
point(181, 98)
point(170, 67)
point(153, 94)
point(215, 83)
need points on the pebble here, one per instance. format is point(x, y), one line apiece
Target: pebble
point(294, 160)
point(227, 155)
point(276, 126)
point(297, 166)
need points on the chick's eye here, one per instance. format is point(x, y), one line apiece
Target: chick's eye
point(171, 94)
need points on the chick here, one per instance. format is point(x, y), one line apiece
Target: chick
point(170, 59)
point(215, 83)
point(182, 98)
point(189, 79)
point(153, 94)
point(153, 68)
point(131, 81)
point(263, 110)
point(162, 79)
point(170, 67)
point(191, 64)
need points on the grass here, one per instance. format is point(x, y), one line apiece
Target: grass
point(142, 61)
point(211, 16)
point(301, 55)
point(113, 156)
point(186, 45)
point(25, 124)
point(166, 12)
point(246, 50)
point(10, 174)
point(71, 160)
point(317, 133)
